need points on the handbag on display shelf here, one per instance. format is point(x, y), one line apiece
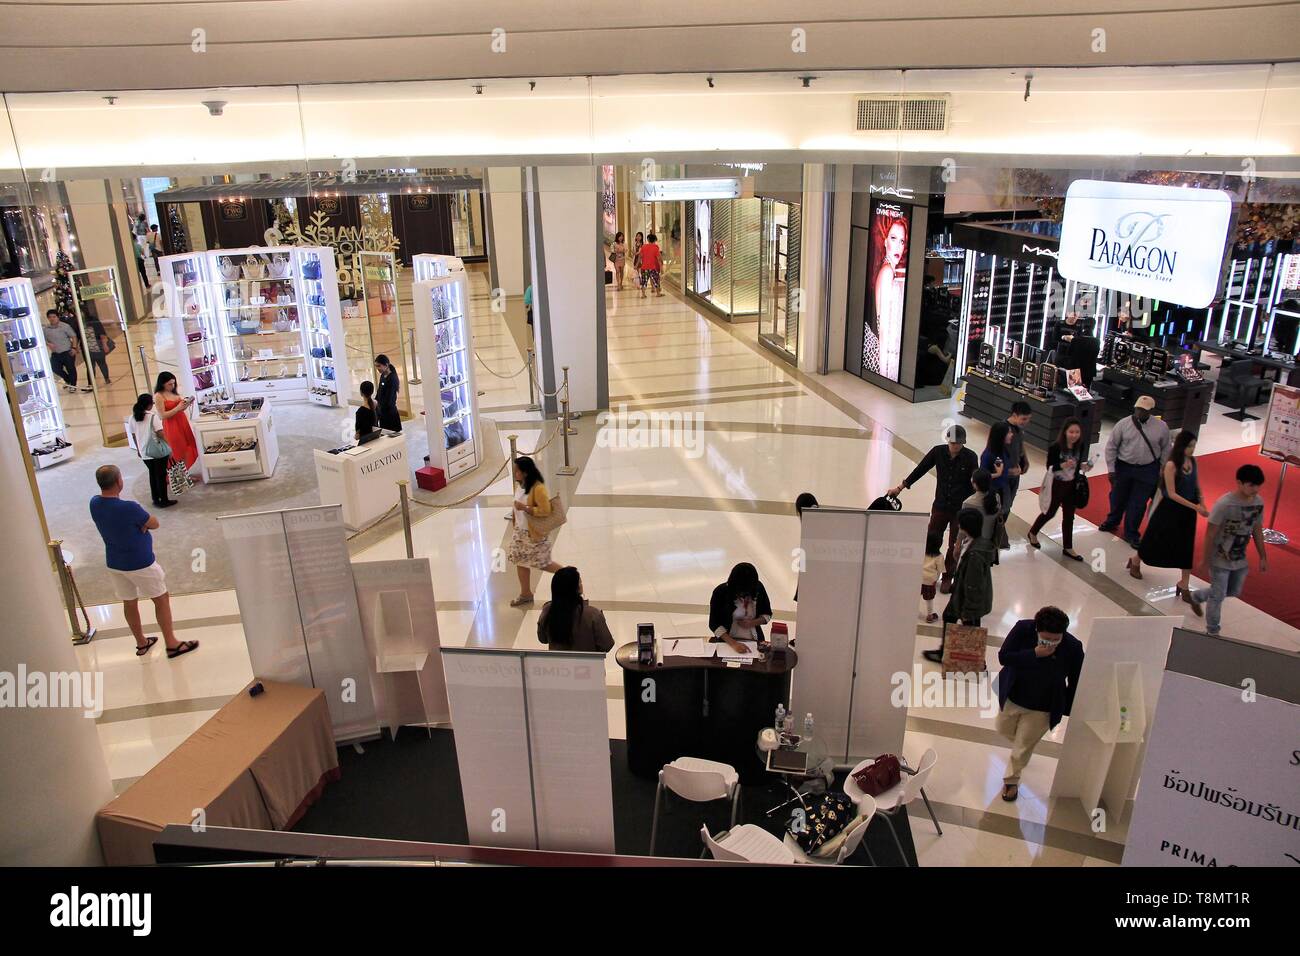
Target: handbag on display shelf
point(203, 380)
point(311, 269)
point(545, 524)
point(963, 649)
point(879, 775)
point(279, 266)
point(178, 479)
point(194, 336)
point(254, 268)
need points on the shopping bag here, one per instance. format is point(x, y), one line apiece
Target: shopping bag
point(545, 524)
point(178, 479)
point(963, 649)
point(1045, 493)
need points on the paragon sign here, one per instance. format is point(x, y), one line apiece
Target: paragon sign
point(1164, 242)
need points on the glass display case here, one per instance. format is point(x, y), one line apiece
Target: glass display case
point(256, 322)
point(444, 337)
point(33, 382)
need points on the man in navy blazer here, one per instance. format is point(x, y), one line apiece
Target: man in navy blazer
point(1041, 662)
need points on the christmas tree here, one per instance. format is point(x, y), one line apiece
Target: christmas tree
point(176, 229)
point(63, 288)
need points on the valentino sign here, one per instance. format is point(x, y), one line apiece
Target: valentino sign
point(1164, 242)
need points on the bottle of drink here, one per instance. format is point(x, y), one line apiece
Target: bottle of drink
point(1123, 720)
point(807, 725)
point(780, 718)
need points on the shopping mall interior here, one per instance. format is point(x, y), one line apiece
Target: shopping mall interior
point(682, 285)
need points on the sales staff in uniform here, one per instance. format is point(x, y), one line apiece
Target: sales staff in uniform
point(739, 608)
point(1137, 447)
point(954, 464)
point(387, 397)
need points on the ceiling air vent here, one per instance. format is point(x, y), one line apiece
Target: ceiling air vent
point(914, 112)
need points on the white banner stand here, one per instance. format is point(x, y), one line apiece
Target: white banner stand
point(399, 620)
point(298, 606)
point(532, 743)
point(1106, 733)
point(1219, 779)
point(857, 625)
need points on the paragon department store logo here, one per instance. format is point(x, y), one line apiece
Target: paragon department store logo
point(1132, 249)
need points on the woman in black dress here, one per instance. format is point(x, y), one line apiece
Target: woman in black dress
point(1170, 537)
point(387, 398)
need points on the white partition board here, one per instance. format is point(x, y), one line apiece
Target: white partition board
point(1118, 647)
point(298, 605)
point(532, 742)
point(857, 625)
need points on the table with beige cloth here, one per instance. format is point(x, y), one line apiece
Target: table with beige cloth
point(258, 762)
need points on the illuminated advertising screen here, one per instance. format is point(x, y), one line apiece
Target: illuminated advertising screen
point(703, 247)
point(882, 338)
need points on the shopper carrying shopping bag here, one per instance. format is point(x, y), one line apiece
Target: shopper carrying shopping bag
point(536, 515)
point(152, 447)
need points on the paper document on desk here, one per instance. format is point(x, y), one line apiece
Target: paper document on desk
point(688, 647)
point(726, 653)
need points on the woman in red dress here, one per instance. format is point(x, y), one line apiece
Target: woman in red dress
point(176, 424)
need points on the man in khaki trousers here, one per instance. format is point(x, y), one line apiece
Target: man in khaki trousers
point(1041, 662)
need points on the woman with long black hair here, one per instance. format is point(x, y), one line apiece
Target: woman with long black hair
point(1065, 465)
point(529, 548)
point(568, 622)
point(172, 410)
point(739, 608)
point(1170, 537)
point(151, 445)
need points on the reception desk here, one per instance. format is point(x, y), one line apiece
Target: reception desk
point(363, 479)
point(700, 707)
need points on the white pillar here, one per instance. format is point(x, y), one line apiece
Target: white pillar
point(506, 218)
point(568, 268)
point(54, 777)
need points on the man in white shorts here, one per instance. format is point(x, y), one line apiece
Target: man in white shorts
point(128, 552)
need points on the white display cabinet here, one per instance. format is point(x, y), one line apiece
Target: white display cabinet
point(237, 442)
point(429, 266)
point(261, 322)
point(35, 384)
point(444, 337)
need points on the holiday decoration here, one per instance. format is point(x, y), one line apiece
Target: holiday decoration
point(63, 288)
point(178, 242)
point(347, 242)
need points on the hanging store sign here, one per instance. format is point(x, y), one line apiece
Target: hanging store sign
point(233, 211)
point(419, 203)
point(667, 190)
point(329, 205)
point(1164, 242)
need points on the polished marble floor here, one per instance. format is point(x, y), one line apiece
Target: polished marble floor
point(654, 529)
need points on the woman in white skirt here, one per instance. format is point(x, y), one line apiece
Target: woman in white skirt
point(529, 548)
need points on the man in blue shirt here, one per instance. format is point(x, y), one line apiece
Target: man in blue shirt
point(128, 552)
point(1041, 663)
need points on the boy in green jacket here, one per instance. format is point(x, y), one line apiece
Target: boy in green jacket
point(972, 584)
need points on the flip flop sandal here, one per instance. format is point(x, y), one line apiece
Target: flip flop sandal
point(1010, 791)
point(148, 646)
point(184, 647)
point(521, 601)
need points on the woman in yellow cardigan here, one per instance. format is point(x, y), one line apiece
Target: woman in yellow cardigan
point(529, 548)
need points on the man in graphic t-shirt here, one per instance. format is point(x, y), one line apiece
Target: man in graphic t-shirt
point(1236, 519)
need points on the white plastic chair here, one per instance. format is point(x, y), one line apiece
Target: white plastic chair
point(746, 844)
point(697, 780)
point(847, 846)
point(911, 786)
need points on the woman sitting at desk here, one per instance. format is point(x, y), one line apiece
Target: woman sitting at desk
point(739, 608)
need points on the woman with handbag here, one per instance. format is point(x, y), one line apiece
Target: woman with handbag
point(1170, 537)
point(176, 422)
point(530, 546)
point(618, 258)
point(152, 447)
point(1066, 467)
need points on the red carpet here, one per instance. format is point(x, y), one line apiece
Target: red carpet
point(1276, 593)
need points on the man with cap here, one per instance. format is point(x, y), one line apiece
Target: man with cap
point(1135, 452)
point(953, 465)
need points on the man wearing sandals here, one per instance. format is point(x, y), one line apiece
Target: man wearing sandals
point(128, 552)
point(1041, 662)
